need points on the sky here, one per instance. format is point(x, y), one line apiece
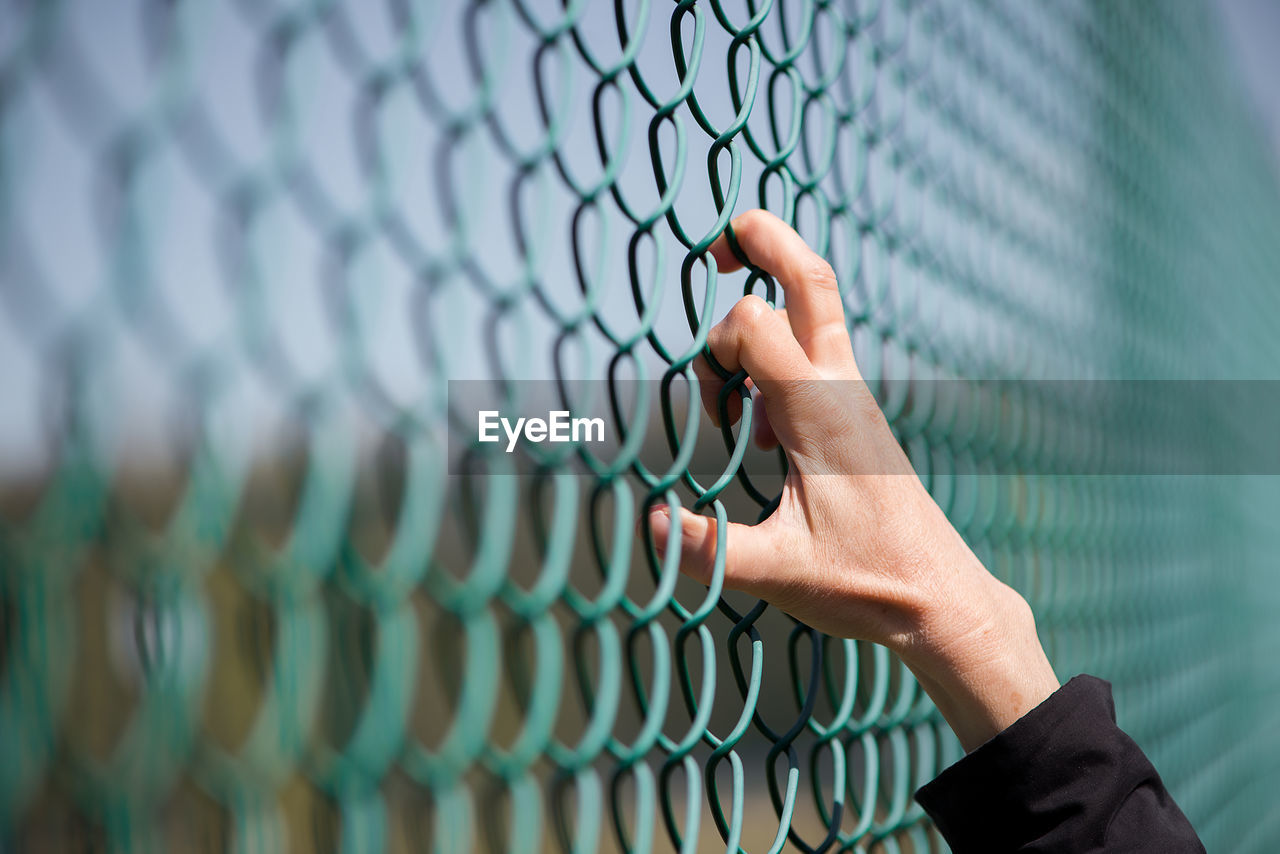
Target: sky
point(1252, 28)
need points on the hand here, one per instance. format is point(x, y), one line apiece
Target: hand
point(857, 547)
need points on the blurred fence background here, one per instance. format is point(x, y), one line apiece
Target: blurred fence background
point(245, 246)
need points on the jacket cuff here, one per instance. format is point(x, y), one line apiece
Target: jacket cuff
point(997, 797)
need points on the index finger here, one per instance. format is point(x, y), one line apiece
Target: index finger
point(814, 307)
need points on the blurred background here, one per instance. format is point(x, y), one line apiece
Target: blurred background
point(248, 600)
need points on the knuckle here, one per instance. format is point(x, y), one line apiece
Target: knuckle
point(821, 274)
point(751, 220)
point(830, 334)
point(749, 313)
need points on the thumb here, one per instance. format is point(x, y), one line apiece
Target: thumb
point(753, 553)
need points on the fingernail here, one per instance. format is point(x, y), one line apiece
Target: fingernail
point(660, 525)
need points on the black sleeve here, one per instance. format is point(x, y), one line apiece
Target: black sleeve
point(1063, 778)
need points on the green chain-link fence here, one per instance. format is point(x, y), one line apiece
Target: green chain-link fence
point(245, 246)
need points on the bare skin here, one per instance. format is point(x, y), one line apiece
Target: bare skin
point(865, 553)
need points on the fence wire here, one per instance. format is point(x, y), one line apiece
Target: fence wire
point(245, 247)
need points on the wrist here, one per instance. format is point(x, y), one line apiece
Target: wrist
point(979, 658)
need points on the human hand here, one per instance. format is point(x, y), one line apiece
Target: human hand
point(857, 547)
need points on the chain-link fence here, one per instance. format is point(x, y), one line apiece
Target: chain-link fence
point(250, 601)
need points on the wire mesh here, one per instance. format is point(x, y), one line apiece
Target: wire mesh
point(246, 246)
